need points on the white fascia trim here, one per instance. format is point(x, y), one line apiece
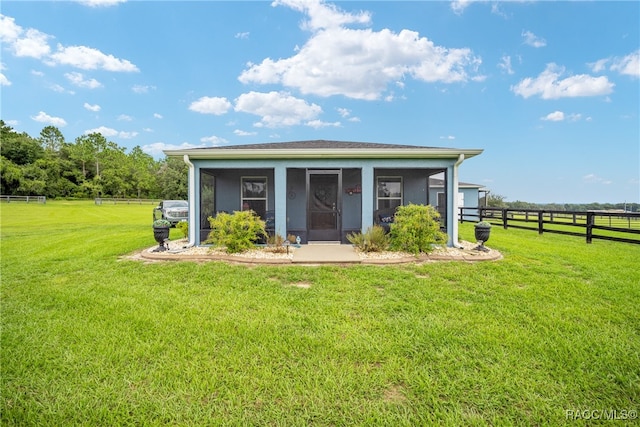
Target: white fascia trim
point(406, 153)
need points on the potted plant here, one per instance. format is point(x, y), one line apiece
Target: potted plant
point(482, 233)
point(161, 233)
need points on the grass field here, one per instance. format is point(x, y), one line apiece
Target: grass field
point(90, 339)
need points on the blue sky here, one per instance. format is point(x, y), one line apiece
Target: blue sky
point(550, 90)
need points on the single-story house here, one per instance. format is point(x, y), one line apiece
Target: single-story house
point(318, 190)
point(469, 196)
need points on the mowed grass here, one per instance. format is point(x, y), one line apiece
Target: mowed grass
point(91, 339)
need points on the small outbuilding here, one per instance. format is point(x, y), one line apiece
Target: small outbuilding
point(320, 190)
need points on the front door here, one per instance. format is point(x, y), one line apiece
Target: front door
point(323, 204)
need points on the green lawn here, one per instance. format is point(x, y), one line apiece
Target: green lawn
point(90, 339)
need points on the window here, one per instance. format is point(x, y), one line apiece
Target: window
point(207, 197)
point(254, 194)
point(389, 192)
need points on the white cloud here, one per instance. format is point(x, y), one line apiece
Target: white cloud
point(559, 116)
point(79, 80)
point(125, 118)
point(57, 88)
point(595, 179)
point(556, 116)
point(4, 81)
point(37, 73)
point(276, 109)
point(239, 132)
point(95, 108)
point(317, 124)
point(458, 6)
point(127, 135)
point(210, 105)
point(30, 43)
point(628, 65)
point(358, 64)
point(549, 86)
point(103, 130)
point(213, 140)
point(9, 30)
point(140, 89)
point(321, 15)
point(157, 116)
point(242, 36)
point(505, 64)
point(599, 66)
point(35, 44)
point(448, 137)
point(88, 58)
point(533, 40)
point(344, 112)
point(12, 123)
point(109, 132)
point(101, 3)
point(43, 117)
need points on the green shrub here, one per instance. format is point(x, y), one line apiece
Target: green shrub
point(183, 226)
point(161, 223)
point(275, 244)
point(237, 232)
point(416, 228)
point(373, 240)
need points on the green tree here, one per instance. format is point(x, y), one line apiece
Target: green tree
point(172, 178)
point(82, 152)
point(33, 182)
point(20, 148)
point(10, 176)
point(51, 140)
point(496, 201)
point(143, 168)
point(115, 177)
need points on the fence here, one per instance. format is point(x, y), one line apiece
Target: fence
point(605, 225)
point(27, 199)
point(116, 200)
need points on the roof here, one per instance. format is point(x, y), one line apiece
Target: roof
point(320, 149)
point(437, 182)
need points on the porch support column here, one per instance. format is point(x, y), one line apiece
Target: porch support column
point(452, 202)
point(280, 189)
point(368, 191)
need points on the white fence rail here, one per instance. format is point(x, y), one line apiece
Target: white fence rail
point(127, 201)
point(27, 199)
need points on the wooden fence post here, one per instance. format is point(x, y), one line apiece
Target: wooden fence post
point(540, 222)
point(504, 218)
point(590, 221)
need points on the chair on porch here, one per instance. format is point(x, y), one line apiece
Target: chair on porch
point(384, 218)
point(270, 222)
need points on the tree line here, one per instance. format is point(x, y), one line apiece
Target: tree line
point(498, 201)
point(89, 167)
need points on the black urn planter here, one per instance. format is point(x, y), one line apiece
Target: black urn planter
point(482, 233)
point(161, 234)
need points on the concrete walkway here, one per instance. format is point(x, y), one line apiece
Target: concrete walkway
point(313, 253)
point(325, 253)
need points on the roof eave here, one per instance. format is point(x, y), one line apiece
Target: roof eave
point(405, 153)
